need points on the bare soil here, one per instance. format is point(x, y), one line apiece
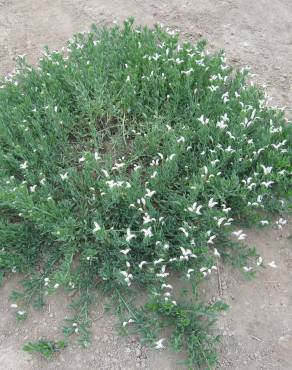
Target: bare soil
point(257, 330)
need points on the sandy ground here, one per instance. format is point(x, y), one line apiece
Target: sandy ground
point(257, 330)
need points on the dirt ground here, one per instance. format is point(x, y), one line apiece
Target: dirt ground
point(257, 330)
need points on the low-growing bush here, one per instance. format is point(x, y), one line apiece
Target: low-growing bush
point(126, 162)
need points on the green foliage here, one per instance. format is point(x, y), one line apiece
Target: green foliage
point(44, 347)
point(188, 323)
point(130, 159)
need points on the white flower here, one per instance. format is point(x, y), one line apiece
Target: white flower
point(170, 157)
point(241, 237)
point(267, 170)
point(195, 208)
point(130, 236)
point(181, 140)
point(210, 241)
point(96, 156)
point(198, 210)
point(229, 149)
point(264, 222)
point(118, 166)
point(224, 209)
point(273, 264)
point(13, 305)
point(225, 117)
point(149, 193)
point(204, 272)
point(166, 247)
point(159, 343)
point(162, 273)
point(188, 275)
point(221, 125)
point(216, 253)
point(178, 61)
point(186, 253)
point(42, 181)
point(141, 264)
point(237, 233)
point(213, 163)
point(158, 261)
point(267, 184)
point(213, 88)
point(147, 232)
point(259, 261)
point(32, 188)
point(211, 203)
point(184, 231)
point(154, 162)
point(96, 227)
point(23, 166)
point(111, 184)
point(219, 222)
point(147, 219)
point(166, 286)
point(247, 269)
point(82, 159)
point(280, 223)
point(225, 97)
point(125, 251)
point(137, 167)
point(64, 176)
point(56, 286)
point(128, 277)
point(187, 73)
point(106, 174)
point(125, 323)
point(203, 120)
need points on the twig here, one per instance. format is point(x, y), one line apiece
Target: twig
point(256, 338)
point(123, 127)
point(219, 280)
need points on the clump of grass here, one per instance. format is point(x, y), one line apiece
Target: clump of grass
point(127, 161)
point(44, 347)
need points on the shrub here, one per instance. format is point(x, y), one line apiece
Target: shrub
point(128, 160)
